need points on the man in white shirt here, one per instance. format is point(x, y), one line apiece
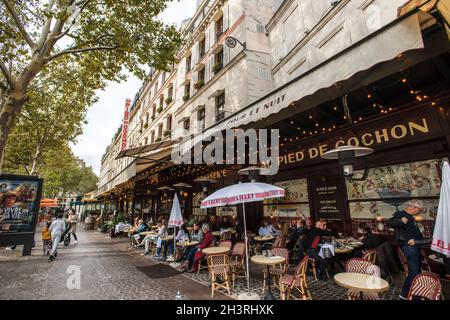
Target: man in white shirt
point(267, 230)
point(57, 228)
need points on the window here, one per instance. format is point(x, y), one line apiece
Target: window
point(186, 126)
point(161, 102)
point(152, 137)
point(201, 75)
point(147, 117)
point(220, 107)
point(187, 92)
point(188, 63)
point(202, 48)
point(145, 141)
point(201, 119)
point(163, 77)
point(260, 28)
point(218, 61)
point(170, 93)
point(263, 74)
point(169, 123)
point(156, 88)
point(154, 112)
point(160, 127)
point(219, 28)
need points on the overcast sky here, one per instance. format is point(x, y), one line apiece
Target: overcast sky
point(105, 116)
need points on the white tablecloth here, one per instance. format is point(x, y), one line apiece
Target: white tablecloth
point(326, 245)
point(122, 226)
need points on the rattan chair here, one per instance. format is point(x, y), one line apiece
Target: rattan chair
point(278, 270)
point(363, 266)
point(370, 255)
point(226, 243)
point(225, 236)
point(219, 265)
point(237, 261)
point(296, 281)
point(425, 286)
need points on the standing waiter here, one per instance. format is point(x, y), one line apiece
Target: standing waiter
point(410, 239)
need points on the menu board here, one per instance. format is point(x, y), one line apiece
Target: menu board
point(328, 201)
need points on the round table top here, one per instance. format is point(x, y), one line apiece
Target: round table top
point(215, 250)
point(435, 259)
point(344, 250)
point(154, 227)
point(216, 233)
point(188, 244)
point(263, 239)
point(167, 238)
point(151, 233)
point(361, 282)
point(355, 244)
point(260, 259)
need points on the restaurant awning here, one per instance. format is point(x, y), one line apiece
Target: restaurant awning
point(146, 149)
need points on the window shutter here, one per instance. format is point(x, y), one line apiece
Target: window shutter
point(207, 37)
point(226, 17)
point(194, 56)
point(194, 78)
point(226, 55)
point(211, 64)
point(212, 34)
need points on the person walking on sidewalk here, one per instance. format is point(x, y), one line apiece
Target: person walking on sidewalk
point(56, 228)
point(73, 219)
point(47, 239)
point(410, 239)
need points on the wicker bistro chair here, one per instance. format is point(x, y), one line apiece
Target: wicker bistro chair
point(279, 270)
point(371, 255)
point(225, 236)
point(201, 265)
point(226, 243)
point(425, 286)
point(312, 261)
point(296, 281)
point(219, 265)
point(364, 266)
point(237, 261)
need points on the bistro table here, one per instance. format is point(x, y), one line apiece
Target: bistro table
point(263, 239)
point(436, 259)
point(343, 250)
point(361, 282)
point(216, 233)
point(215, 250)
point(188, 244)
point(167, 238)
point(149, 233)
point(268, 261)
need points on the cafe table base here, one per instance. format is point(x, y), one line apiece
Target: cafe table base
point(269, 295)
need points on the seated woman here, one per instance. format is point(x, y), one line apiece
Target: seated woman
point(182, 235)
point(225, 224)
point(196, 235)
point(136, 234)
point(195, 256)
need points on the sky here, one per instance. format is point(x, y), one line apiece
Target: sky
point(105, 117)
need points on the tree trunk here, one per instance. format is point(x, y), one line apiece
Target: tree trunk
point(14, 101)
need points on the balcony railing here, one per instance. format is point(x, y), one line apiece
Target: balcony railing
point(220, 116)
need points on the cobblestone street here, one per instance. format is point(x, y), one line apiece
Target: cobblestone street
point(108, 271)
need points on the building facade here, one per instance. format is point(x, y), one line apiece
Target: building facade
point(326, 74)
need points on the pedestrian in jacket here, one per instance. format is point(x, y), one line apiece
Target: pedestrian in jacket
point(56, 228)
point(410, 239)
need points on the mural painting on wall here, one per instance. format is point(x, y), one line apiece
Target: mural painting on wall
point(294, 204)
point(196, 200)
point(387, 189)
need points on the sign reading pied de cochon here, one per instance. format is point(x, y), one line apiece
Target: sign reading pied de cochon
point(401, 131)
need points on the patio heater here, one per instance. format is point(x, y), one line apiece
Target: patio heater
point(346, 155)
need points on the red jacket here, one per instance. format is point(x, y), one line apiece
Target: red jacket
point(207, 240)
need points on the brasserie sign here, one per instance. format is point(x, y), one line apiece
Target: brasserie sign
point(405, 130)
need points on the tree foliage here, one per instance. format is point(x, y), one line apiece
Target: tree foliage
point(100, 37)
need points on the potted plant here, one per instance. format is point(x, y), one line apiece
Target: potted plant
point(146, 126)
point(186, 97)
point(217, 67)
point(158, 139)
point(167, 133)
point(169, 100)
point(159, 110)
point(153, 117)
point(199, 84)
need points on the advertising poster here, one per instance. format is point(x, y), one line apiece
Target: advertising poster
point(19, 204)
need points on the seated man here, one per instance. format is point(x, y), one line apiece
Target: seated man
point(267, 230)
point(313, 239)
point(295, 235)
point(370, 240)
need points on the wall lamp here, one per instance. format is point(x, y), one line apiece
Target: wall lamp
point(347, 160)
point(232, 42)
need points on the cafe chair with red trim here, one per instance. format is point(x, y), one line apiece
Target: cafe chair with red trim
point(358, 265)
point(297, 281)
point(425, 286)
point(237, 261)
